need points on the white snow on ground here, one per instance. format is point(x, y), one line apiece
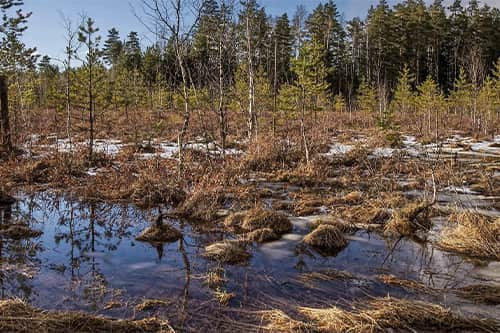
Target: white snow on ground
point(164, 150)
point(460, 190)
point(456, 144)
point(383, 152)
point(339, 149)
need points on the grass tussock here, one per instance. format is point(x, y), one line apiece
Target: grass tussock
point(160, 234)
point(259, 218)
point(325, 275)
point(409, 285)
point(307, 204)
point(472, 234)
point(342, 225)
point(151, 305)
point(481, 294)
point(19, 231)
point(408, 220)
point(229, 251)
point(262, 235)
point(235, 219)
point(327, 238)
point(279, 321)
point(381, 315)
point(271, 156)
point(19, 317)
point(204, 203)
point(152, 189)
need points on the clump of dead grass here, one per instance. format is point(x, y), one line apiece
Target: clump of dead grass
point(342, 225)
point(307, 204)
point(259, 218)
point(279, 321)
point(472, 234)
point(203, 203)
point(409, 285)
point(151, 305)
point(160, 234)
point(408, 220)
point(481, 294)
point(271, 156)
point(152, 189)
point(326, 237)
point(325, 275)
point(229, 251)
point(18, 317)
point(379, 315)
point(235, 219)
point(223, 296)
point(262, 235)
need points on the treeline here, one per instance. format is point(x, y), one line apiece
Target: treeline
point(412, 60)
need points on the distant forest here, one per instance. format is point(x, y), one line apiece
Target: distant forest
point(226, 56)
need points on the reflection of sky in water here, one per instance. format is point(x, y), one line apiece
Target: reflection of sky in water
point(88, 256)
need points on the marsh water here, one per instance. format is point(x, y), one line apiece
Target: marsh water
point(87, 259)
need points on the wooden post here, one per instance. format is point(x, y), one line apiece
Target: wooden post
point(6, 143)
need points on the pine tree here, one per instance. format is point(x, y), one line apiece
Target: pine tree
point(14, 57)
point(311, 82)
point(403, 99)
point(430, 102)
point(326, 31)
point(461, 96)
point(87, 35)
point(367, 98)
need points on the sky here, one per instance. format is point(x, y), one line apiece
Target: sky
point(47, 34)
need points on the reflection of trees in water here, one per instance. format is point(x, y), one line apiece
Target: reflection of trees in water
point(79, 230)
point(90, 228)
point(18, 260)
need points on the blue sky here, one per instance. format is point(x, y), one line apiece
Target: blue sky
point(46, 33)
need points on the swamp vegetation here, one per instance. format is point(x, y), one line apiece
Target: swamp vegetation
point(207, 184)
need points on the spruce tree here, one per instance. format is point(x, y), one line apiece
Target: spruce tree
point(112, 48)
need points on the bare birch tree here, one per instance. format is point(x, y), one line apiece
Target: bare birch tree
point(175, 20)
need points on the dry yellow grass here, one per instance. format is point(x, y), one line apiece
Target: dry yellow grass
point(160, 234)
point(472, 234)
point(481, 294)
point(408, 220)
point(326, 237)
point(261, 235)
point(259, 218)
point(379, 315)
point(392, 280)
point(345, 227)
point(151, 305)
point(19, 317)
point(229, 251)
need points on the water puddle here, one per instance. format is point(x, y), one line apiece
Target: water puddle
point(88, 259)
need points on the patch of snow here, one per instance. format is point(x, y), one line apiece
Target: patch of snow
point(339, 149)
point(383, 152)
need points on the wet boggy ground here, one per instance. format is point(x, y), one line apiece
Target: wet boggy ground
point(87, 258)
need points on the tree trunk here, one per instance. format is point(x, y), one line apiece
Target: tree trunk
point(6, 143)
point(252, 119)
